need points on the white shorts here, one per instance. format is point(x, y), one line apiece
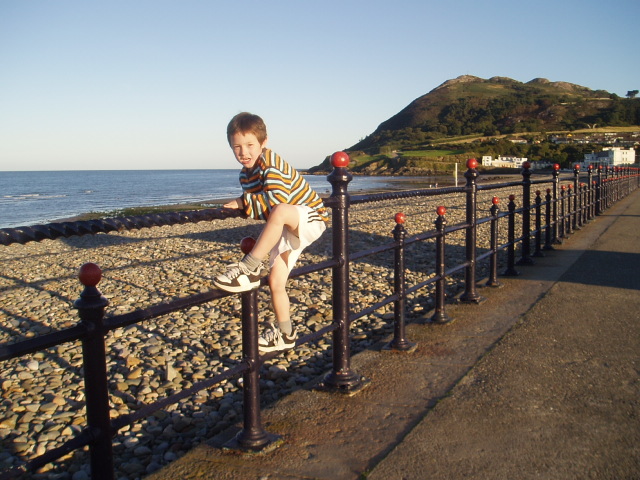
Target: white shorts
point(310, 228)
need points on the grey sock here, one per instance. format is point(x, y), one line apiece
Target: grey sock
point(251, 262)
point(286, 327)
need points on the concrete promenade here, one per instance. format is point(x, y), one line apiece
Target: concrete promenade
point(541, 380)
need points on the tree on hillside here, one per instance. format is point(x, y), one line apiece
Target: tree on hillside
point(632, 93)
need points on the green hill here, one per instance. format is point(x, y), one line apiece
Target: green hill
point(450, 122)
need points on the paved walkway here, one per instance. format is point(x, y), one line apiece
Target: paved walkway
point(541, 380)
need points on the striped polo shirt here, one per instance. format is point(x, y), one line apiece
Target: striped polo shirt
point(272, 181)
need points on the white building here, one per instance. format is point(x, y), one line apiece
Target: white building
point(503, 162)
point(610, 157)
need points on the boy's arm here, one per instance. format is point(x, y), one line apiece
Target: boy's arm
point(235, 203)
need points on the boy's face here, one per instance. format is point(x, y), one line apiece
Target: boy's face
point(246, 148)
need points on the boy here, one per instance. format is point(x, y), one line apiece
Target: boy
point(295, 215)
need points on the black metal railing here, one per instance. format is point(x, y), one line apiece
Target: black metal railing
point(569, 203)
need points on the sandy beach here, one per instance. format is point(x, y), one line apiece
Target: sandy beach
point(43, 400)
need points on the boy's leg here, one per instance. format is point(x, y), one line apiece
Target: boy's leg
point(245, 275)
point(278, 277)
point(282, 336)
point(282, 216)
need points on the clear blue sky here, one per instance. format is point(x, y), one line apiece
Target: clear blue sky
point(151, 84)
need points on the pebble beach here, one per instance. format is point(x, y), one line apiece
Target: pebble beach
point(43, 403)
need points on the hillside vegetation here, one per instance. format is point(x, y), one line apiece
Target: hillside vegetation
point(471, 116)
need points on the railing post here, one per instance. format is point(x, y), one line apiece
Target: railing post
point(91, 305)
point(511, 238)
point(493, 259)
point(538, 235)
point(606, 187)
point(580, 207)
point(612, 187)
point(470, 295)
point(599, 191)
point(584, 195)
point(439, 315)
point(571, 213)
point(556, 198)
point(576, 191)
point(563, 223)
point(591, 193)
point(607, 190)
point(252, 436)
point(548, 222)
point(399, 341)
point(341, 378)
point(618, 183)
point(526, 259)
point(627, 183)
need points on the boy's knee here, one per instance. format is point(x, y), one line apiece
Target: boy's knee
point(281, 210)
point(278, 275)
point(276, 283)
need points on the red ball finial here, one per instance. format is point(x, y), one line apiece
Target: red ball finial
point(526, 165)
point(512, 197)
point(556, 166)
point(569, 186)
point(441, 210)
point(563, 187)
point(548, 190)
point(577, 166)
point(90, 274)
point(495, 200)
point(400, 217)
point(340, 159)
point(537, 192)
point(246, 244)
point(472, 163)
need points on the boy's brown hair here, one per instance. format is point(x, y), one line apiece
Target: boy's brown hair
point(246, 122)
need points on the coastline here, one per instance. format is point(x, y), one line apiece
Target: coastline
point(411, 182)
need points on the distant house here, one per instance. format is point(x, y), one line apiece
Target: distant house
point(503, 162)
point(622, 139)
point(610, 157)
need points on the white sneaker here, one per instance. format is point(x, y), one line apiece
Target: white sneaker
point(238, 278)
point(273, 340)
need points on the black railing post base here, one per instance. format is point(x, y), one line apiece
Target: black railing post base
point(402, 345)
point(493, 284)
point(526, 261)
point(349, 384)
point(510, 272)
point(475, 298)
point(440, 318)
point(243, 443)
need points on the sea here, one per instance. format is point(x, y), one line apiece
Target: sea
point(35, 198)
